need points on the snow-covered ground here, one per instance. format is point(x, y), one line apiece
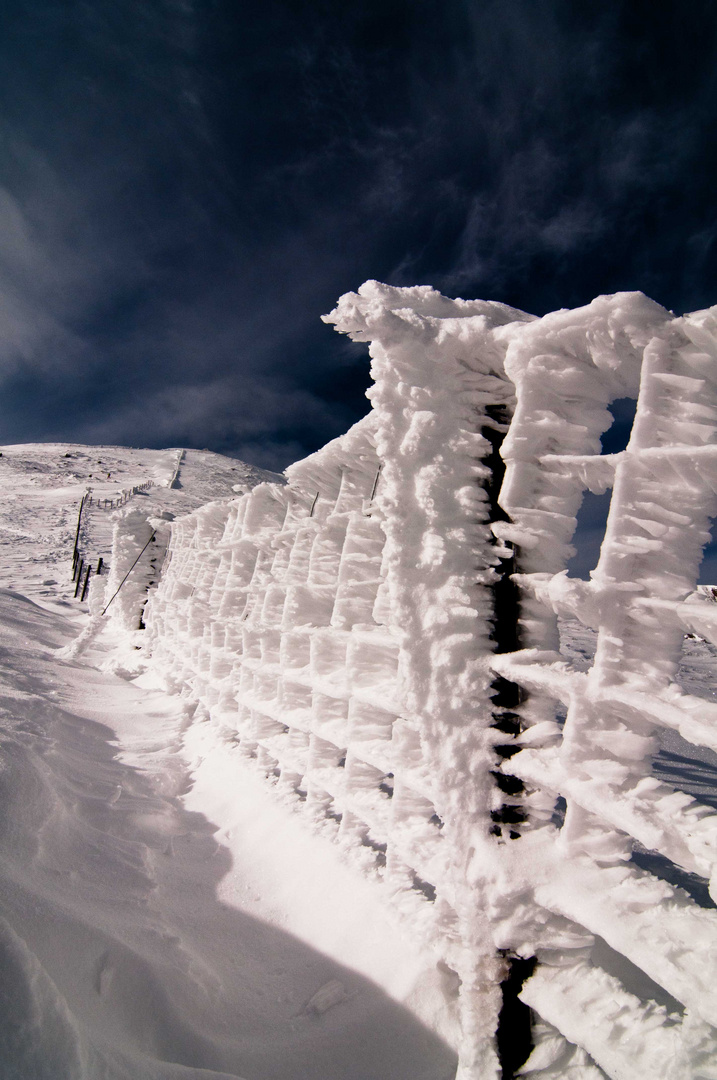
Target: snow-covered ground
point(158, 919)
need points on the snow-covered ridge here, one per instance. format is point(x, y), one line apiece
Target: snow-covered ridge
point(342, 629)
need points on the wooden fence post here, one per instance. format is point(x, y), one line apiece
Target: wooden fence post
point(79, 576)
point(77, 531)
point(87, 581)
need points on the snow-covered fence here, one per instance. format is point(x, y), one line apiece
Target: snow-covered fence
point(122, 497)
point(172, 482)
point(354, 632)
point(139, 546)
point(82, 564)
point(641, 599)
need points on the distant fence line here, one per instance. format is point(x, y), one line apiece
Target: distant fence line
point(124, 496)
point(82, 566)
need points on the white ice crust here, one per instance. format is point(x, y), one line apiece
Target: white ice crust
point(340, 629)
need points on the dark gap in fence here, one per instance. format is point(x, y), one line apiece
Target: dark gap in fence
point(679, 765)
point(707, 574)
point(656, 864)
point(589, 534)
point(378, 847)
point(425, 888)
point(506, 599)
point(386, 785)
point(617, 436)
point(633, 978)
point(593, 512)
point(505, 633)
point(559, 810)
point(514, 1034)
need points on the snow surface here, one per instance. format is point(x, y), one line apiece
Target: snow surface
point(160, 915)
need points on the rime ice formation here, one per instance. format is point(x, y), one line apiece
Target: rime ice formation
point(347, 631)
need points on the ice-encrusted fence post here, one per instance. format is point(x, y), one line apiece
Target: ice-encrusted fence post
point(133, 568)
point(439, 386)
point(585, 878)
point(174, 478)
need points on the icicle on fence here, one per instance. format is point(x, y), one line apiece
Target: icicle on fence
point(363, 636)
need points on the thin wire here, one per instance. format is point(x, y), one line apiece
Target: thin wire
point(131, 569)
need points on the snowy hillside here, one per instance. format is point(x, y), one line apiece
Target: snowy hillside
point(42, 485)
point(139, 938)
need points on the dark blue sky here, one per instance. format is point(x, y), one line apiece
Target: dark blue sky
point(187, 185)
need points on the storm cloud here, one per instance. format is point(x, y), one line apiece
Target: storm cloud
point(186, 187)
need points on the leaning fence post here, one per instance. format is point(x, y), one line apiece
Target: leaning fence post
point(87, 581)
point(79, 576)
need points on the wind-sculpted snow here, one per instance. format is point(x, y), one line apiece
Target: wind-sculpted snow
point(352, 632)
